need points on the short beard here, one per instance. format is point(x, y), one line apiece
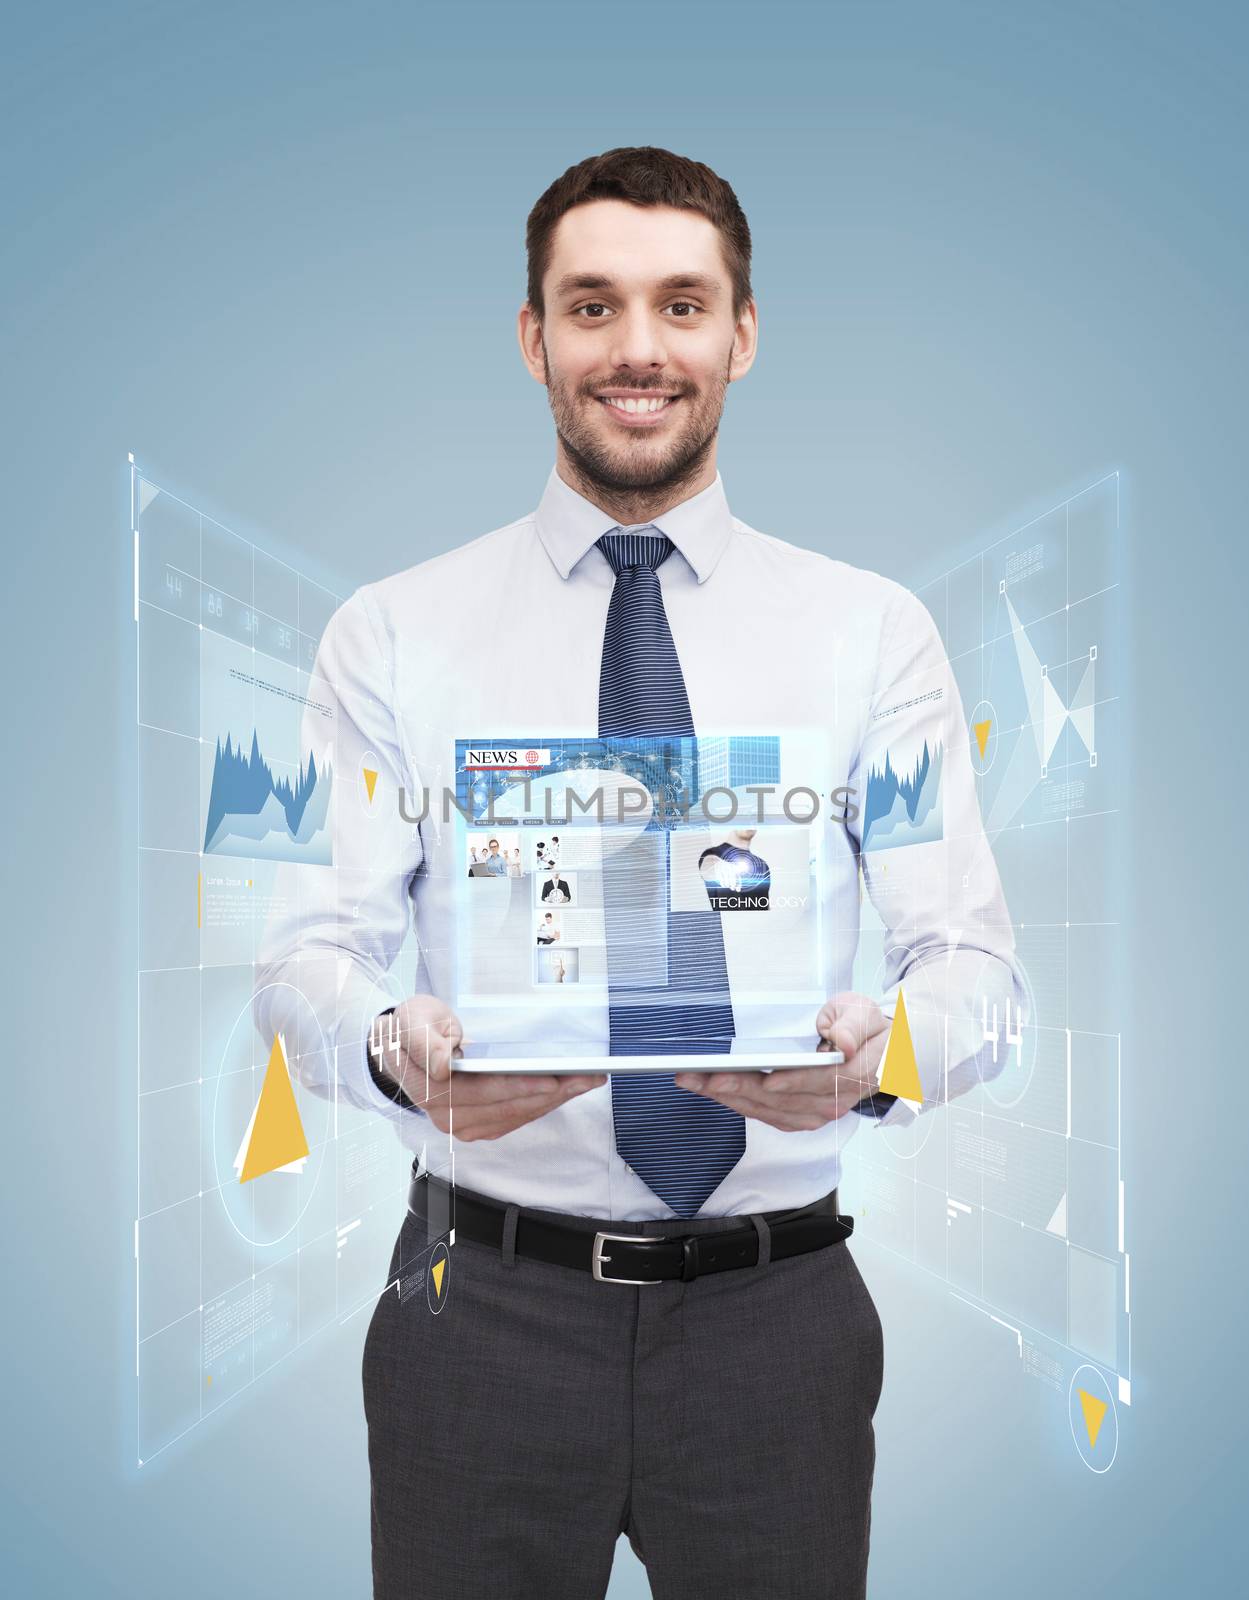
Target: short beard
point(598, 470)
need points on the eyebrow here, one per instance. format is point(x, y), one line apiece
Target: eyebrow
point(573, 282)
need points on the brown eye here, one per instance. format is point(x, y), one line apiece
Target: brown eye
point(595, 305)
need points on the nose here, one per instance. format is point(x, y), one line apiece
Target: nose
point(638, 342)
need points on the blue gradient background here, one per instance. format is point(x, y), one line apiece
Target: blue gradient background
point(277, 251)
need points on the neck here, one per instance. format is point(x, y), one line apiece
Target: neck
point(630, 507)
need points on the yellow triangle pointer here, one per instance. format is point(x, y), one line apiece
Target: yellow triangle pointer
point(899, 1075)
point(1094, 1411)
point(981, 730)
point(438, 1268)
point(370, 780)
point(277, 1134)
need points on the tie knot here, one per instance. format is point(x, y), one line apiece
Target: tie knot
point(639, 547)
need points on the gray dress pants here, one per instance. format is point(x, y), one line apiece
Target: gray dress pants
point(724, 1425)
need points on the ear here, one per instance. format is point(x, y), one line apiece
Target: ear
point(745, 342)
point(529, 336)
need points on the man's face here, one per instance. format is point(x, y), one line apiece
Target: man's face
point(639, 342)
point(494, 846)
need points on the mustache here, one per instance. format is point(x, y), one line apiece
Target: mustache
point(641, 386)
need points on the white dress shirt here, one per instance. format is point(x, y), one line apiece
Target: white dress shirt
point(764, 630)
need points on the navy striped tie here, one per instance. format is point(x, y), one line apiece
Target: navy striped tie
point(681, 1145)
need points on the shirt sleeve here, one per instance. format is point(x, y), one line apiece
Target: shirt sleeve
point(949, 945)
point(326, 960)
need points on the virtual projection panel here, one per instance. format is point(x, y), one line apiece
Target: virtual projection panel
point(269, 1188)
point(279, 836)
point(1014, 1193)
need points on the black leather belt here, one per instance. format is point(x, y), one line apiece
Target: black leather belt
point(636, 1258)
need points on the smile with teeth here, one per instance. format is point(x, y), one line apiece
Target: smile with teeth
point(644, 403)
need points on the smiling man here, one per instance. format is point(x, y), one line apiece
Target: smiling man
point(636, 366)
point(656, 1326)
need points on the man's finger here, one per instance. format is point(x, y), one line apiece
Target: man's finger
point(798, 1080)
point(492, 1122)
point(493, 1088)
point(847, 1028)
point(859, 1077)
point(787, 1118)
point(499, 1116)
point(753, 1095)
point(798, 1083)
point(851, 1004)
point(485, 1087)
point(430, 1052)
point(840, 1096)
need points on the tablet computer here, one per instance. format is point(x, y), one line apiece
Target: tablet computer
point(734, 1055)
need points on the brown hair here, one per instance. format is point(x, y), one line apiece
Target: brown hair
point(645, 176)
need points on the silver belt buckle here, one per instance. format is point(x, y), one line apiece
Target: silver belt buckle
point(597, 1258)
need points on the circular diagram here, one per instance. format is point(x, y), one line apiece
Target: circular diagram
point(269, 1136)
point(1093, 1418)
point(438, 1277)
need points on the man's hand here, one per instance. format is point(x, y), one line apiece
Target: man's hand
point(476, 1105)
point(804, 1098)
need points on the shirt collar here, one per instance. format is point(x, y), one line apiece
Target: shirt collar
point(568, 525)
